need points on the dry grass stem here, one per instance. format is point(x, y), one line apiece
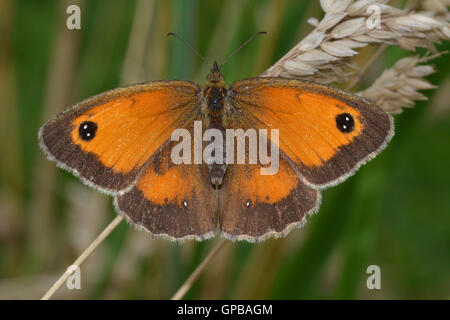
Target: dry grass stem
point(348, 25)
point(102, 236)
point(196, 273)
point(132, 70)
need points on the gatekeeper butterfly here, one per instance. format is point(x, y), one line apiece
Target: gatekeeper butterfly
point(119, 142)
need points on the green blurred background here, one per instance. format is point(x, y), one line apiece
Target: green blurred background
point(395, 213)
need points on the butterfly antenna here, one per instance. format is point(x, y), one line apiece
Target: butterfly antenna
point(186, 44)
point(242, 45)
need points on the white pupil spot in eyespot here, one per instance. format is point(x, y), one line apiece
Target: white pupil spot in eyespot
point(185, 204)
point(247, 204)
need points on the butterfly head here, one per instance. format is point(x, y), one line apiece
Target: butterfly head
point(215, 77)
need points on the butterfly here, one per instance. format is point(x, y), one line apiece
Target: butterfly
point(120, 142)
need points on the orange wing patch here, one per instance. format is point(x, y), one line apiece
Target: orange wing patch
point(172, 183)
point(265, 188)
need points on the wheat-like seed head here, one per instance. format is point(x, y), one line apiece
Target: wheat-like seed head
point(439, 7)
point(323, 55)
point(398, 87)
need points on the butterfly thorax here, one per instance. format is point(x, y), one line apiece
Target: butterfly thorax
point(214, 97)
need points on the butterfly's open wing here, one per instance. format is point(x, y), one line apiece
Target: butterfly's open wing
point(254, 207)
point(108, 139)
point(255, 202)
point(176, 201)
point(326, 133)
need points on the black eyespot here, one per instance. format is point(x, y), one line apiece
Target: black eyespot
point(87, 130)
point(345, 122)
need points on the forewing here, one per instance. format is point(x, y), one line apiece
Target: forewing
point(131, 124)
point(313, 131)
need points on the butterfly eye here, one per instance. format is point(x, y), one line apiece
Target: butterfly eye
point(345, 122)
point(87, 130)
